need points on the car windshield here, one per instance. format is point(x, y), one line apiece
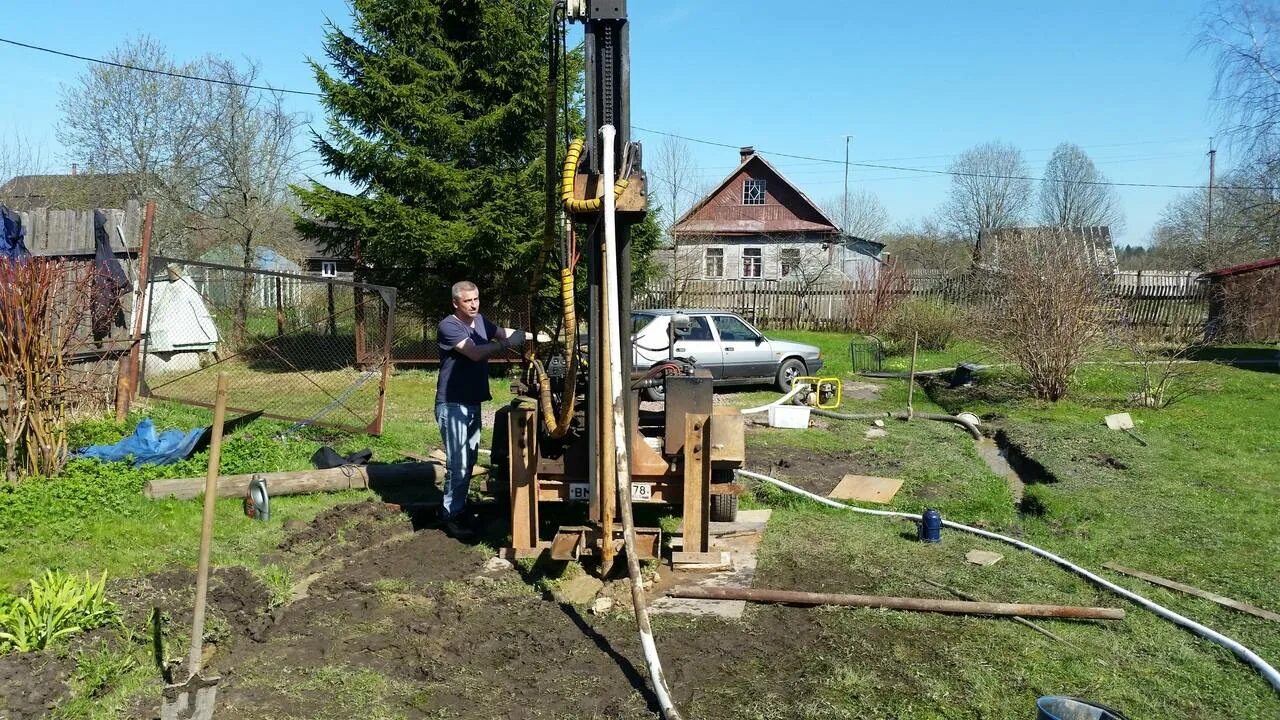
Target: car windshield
point(639, 321)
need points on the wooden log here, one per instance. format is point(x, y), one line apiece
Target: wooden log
point(298, 482)
point(1191, 590)
point(961, 607)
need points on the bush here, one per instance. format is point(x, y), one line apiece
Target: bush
point(936, 324)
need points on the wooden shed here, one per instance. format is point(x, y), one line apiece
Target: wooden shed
point(1244, 302)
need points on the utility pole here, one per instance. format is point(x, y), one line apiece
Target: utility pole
point(1208, 230)
point(844, 220)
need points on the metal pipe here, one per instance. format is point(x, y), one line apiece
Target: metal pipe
point(1242, 652)
point(622, 459)
point(958, 607)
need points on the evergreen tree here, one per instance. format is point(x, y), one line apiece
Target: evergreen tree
point(435, 109)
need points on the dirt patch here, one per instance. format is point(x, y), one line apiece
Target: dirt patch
point(360, 524)
point(235, 597)
point(855, 390)
point(815, 470)
point(32, 684)
point(1105, 460)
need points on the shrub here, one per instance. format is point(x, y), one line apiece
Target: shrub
point(936, 323)
point(59, 605)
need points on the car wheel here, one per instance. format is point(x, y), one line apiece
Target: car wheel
point(790, 369)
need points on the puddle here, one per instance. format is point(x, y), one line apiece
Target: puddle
point(1008, 461)
point(995, 459)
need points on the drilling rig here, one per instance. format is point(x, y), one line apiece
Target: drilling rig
point(577, 432)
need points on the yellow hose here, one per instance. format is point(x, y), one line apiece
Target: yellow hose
point(558, 427)
point(567, 174)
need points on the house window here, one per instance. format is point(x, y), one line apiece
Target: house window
point(714, 266)
point(753, 192)
point(752, 261)
point(790, 259)
point(328, 268)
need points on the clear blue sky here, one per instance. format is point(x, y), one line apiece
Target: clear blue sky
point(914, 83)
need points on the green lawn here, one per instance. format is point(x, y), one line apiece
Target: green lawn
point(1199, 504)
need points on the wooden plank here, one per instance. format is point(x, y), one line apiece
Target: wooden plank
point(1190, 590)
point(522, 454)
point(697, 483)
point(866, 488)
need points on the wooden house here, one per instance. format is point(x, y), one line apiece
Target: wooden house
point(757, 225)
point(1244, 302)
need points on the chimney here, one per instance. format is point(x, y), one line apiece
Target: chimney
point(74, 168)
point(745, 152)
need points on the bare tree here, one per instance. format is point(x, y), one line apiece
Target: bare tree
point(1074, 193)
point(1245, 37)
point(1246, 222)
point(18, 157)
point(989, 189)
point(1047, 308)
point(926, 245)
point(674, 175)
point(145, 128)
point(860, 214)
point(253, 158)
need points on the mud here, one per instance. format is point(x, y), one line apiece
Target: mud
point(816, 471)
point(32, 684)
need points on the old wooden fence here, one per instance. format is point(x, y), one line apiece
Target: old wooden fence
point(1153, 302)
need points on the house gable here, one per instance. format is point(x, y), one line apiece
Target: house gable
point(785, 210)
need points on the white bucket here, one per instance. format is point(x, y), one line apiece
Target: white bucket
point(789, 416)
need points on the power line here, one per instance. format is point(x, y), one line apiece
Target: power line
point(878, 166)
point(154, 71)
point(953, 173)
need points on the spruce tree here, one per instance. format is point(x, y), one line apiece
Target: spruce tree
point(435, 109)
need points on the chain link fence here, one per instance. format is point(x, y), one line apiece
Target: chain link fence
point(311, 350)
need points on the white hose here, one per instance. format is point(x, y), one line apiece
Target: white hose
point(623, 463)
point(790, 394)
point(1241, 651)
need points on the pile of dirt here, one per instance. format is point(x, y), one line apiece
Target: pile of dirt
point(235, 596)
point(359, 524)
point(32, 684)
point(814, 470)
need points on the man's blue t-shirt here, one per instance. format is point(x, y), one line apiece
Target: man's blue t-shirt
point(463, 380)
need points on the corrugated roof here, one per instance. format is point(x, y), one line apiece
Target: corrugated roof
point(1241, 269)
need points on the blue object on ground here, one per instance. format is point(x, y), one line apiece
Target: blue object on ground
point(931, 526)
point(146, 447)
point(1061, 707)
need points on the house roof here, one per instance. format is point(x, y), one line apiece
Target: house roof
point(83, 191)
point(1094, 240)
point(806, 216)
point(1241, 269)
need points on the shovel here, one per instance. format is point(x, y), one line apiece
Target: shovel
point(194, 699)
point(1123, 421)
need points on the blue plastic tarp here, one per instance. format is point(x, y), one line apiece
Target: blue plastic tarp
point(146, 447)
point(11, 233)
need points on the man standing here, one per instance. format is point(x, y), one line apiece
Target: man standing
point(467, 340)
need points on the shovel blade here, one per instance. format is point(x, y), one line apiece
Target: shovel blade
point(1119, 421)
point(192, 700)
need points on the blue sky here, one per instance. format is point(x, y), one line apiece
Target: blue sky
point(913, 83)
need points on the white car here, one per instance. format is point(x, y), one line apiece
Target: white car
point(723, 343)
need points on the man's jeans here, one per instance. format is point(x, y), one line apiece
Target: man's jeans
point(460, 431)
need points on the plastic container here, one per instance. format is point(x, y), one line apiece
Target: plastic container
point(789, 416)
point(931, 526)
point(1060, 707)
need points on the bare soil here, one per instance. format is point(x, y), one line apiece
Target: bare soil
point(32, 684)
point(409, 618)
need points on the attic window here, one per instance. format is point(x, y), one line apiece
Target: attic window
point(753, 192)
point(328, 268)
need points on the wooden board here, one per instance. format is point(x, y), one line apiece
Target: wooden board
point(867, 488)
point(1191, 590)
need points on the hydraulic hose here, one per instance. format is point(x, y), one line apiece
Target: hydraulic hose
point(558, 426)
point(790, 394)
point(567, 174)
point(1248, 656)
point(623, 462)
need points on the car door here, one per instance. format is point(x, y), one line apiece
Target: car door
point(746, 354)
point(700, 344)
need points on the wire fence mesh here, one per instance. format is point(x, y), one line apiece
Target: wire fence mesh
point(311, 350)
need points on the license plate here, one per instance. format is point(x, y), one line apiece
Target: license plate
point(581, 492)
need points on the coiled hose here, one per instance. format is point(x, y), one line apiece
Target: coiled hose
point(567, 174)
point(1242, 652)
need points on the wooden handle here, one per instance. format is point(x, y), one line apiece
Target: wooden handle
point(206, 528)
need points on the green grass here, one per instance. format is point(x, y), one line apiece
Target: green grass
point(1197, 505)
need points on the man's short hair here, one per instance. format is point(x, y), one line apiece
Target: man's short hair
point(463, 286)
